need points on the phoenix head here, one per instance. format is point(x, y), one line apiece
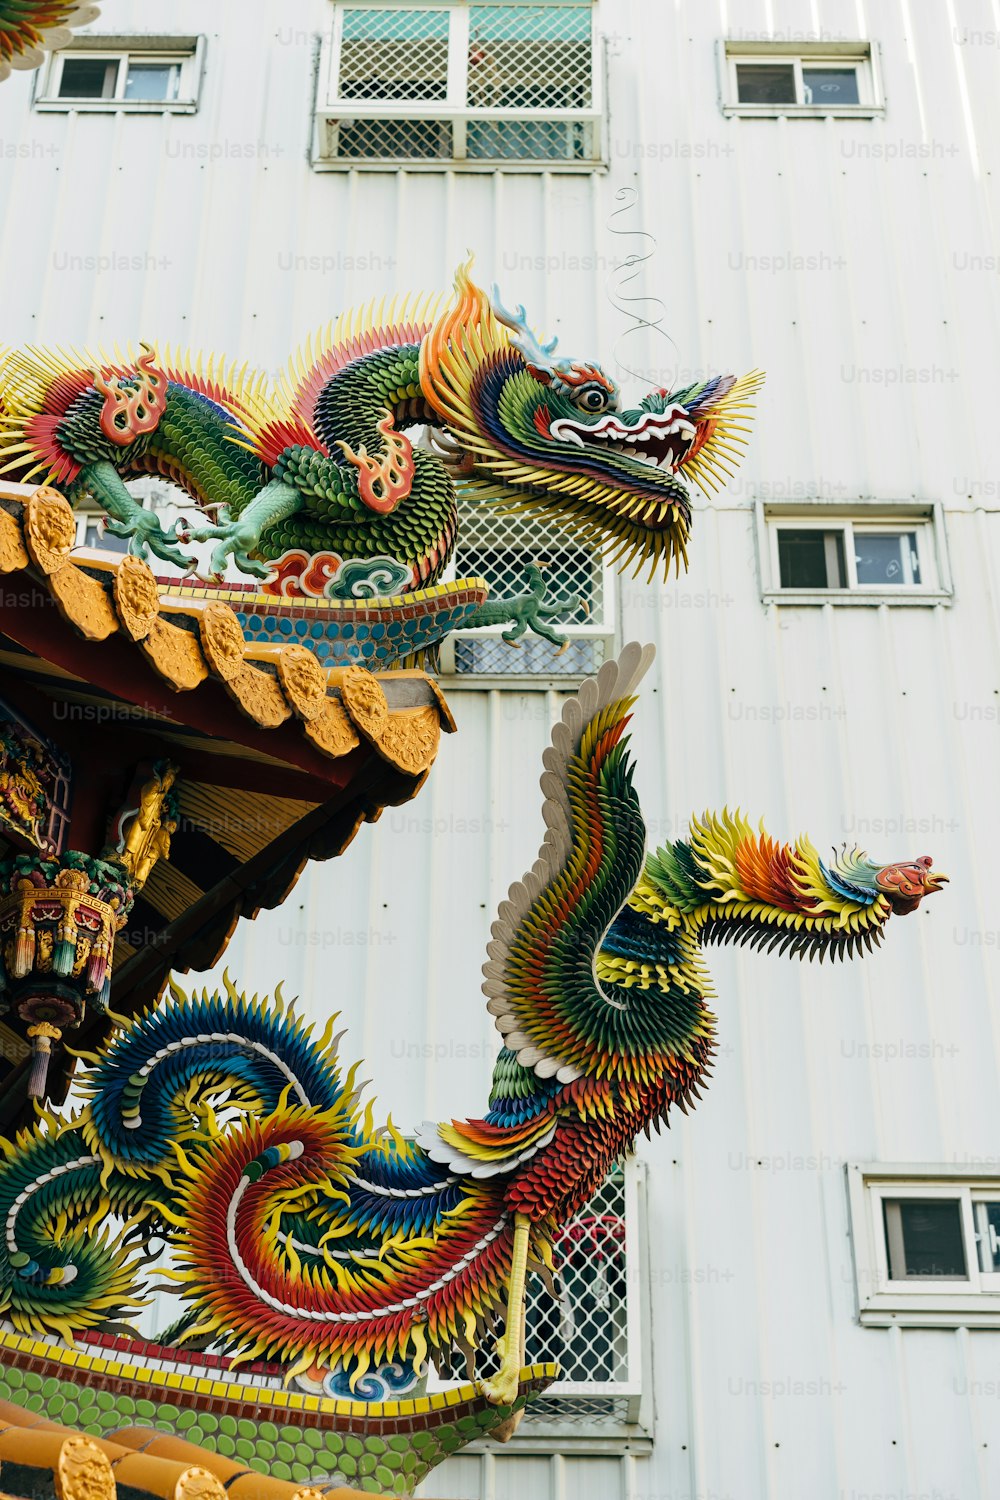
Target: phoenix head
point(730, 882)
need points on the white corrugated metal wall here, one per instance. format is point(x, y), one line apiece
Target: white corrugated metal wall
point(880, 340)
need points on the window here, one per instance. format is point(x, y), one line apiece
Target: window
point(592, 1327)
point(85, 79)
point(388, 55)
point(148, 74)
point(926, 1245)
point(482, 84)
point(763, 78)
point(850, 555)
point(90, 533)
point(152, 81)
point(811, 559)
point(816, 554)
point(498, 546)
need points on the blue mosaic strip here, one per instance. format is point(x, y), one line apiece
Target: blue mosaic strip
point(368, 636)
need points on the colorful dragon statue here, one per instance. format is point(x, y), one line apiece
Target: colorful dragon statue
point(302, 1234)
point(29, 28)
point(321, 466)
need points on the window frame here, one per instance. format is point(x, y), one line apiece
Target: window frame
point(861, 55)
point(454, 110)
point(185, 51)
point(925, 521)
point(918, 1302)
point(575, 1432)
point(86, 518)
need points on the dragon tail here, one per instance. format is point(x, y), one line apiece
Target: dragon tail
point(60, 410)
point(38, 388)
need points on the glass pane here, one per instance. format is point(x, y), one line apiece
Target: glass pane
point(88, 78)
point(394, 54)
point(585, 1326)
point(830, 85)
point(987, 1218)
point(550, 23)
point(530, 57)
point(528, 140)
point(492, 656)
point(107, 543)
point(811, 559)
point(765, 83)
point(402, 25)
point(153, 81)
point(925, 1238)
point(496, 547)
point(886, 557)
point(399, 140)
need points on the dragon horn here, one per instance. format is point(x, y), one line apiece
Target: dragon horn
point(525, 341)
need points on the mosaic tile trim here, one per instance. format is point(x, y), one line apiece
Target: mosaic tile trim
point(385, 1448)
point(373, 632)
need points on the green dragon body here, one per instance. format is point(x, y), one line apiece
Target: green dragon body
point(323, 466)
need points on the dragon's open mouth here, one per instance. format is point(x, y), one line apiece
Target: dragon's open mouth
point(659, 439)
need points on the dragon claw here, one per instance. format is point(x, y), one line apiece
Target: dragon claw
point(132, 523)
point(234, 539)
point(501, 1389)
point(238, 537)
point(147, 536)
point(527, 611)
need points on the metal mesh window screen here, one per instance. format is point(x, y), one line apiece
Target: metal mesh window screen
point(391, 139)
point(530, 57)
point(497, 545)
point(400, 53)
point(585, 1326)
point(530, 140)
point(507, 83)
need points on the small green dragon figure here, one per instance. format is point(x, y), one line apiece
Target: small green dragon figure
point(322, 467)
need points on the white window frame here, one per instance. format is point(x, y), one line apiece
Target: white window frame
point(453, 110)
point(631, 1386)
point(597, 1433)
point(926, 521)
point(929, 1302)
point(862, 56)
point(186, 51)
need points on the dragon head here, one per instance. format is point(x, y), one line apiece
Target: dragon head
point(730, 883)
point(522, 422)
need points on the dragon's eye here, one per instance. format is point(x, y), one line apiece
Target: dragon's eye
point(592, 398)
